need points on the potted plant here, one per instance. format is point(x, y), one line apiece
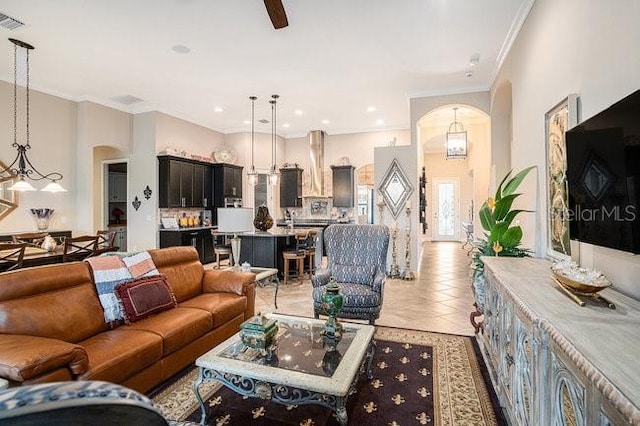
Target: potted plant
point(502, 236)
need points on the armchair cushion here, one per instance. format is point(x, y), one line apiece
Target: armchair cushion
point(354, 295)
point(356, 274)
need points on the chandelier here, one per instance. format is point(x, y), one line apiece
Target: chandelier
point(274, 174)
point(21, 165)
point(252, 175)
point(456, 138)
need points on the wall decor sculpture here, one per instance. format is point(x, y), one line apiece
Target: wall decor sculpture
point(395, 188)
point(558, 120)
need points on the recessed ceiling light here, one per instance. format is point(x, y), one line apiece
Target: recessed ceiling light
point(246, 122)
point(181, 48)
point(325, 121)
point(217, 109)
point(379, 122)
point(371, 109)
point(298, 112)
point(287, 125)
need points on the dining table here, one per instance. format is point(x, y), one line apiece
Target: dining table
point(35, 256)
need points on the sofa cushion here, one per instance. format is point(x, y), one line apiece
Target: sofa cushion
point(223, 306)
point(118, 354)
point(178, 327)
point(145, 296)
point(37, 301)
point(25, 357)
point(357, 274)
point(182, 267)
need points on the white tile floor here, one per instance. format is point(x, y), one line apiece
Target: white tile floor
point(439, 300)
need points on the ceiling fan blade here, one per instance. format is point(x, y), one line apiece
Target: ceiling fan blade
point(276, 12)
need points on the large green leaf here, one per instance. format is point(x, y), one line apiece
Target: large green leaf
point(511, 237)
point(497, 231)
point(499, 189)
point(512, 214)
point(503, 206)
point(513, 184)
point(486, 218)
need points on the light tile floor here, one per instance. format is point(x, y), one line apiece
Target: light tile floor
point(439, 300)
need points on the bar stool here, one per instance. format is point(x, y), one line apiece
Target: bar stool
point(310, 249)
point(298, 255)
point(221, 251)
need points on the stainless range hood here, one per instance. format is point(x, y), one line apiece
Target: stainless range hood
point(316, 157)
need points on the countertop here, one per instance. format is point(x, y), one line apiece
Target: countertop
point(273, 233)
point(309, 222)
point(189, 228)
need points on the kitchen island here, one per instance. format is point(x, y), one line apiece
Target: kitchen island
point(264, 249)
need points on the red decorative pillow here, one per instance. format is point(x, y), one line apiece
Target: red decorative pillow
point(145, 296)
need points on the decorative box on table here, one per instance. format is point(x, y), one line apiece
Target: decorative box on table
point(259, 332)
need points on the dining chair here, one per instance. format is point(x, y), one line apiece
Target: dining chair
point(106, 242)
point(31, 238)
point(79, 248)
point(12, 255)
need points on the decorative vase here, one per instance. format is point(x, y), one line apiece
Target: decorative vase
point(332, 302)
point(42, 217)
point(263, 220)
point(49, 244)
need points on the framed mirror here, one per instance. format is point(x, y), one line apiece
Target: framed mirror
point(8, 198)
point(395, 188)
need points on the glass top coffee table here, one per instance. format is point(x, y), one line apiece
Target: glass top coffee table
point(302, 369)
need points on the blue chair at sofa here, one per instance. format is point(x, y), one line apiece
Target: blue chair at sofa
point(356, 258)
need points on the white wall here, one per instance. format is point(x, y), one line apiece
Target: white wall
point(53, 149)
point(142, 224)
point(587, 47)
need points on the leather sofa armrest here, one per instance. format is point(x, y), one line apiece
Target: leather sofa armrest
point(25, 357)
point(320, 278)
point(227, 281)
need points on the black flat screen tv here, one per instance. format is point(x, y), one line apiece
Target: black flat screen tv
point(603, 176)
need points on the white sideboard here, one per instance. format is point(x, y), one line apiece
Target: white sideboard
point(553, 362)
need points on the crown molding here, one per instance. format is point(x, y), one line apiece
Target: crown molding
point(439, 92)
point(512, 35)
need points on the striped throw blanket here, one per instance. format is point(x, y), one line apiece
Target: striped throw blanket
point(109, 271)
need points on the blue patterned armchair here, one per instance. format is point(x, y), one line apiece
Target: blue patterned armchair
point(356, 258)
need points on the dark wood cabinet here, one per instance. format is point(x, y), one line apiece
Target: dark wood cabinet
point(184, 183)
point(291, 187)
point(227, 184)
point(343, 178)
point(201, 239)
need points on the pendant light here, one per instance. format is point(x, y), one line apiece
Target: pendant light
point(456, 138)
point(252, 175)
point(274, 174)
point(21, 165)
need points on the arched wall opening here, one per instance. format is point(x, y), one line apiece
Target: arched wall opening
point(455, 188)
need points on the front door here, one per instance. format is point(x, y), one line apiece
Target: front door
point(446, 209)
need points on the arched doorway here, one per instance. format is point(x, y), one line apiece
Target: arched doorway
point(454, 186)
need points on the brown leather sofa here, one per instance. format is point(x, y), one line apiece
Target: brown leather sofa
point(52, 325)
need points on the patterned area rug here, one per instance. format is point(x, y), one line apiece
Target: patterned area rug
point(419, 378)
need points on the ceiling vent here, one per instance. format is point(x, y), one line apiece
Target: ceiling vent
point(9, 23)
point(264, 121)
point(126, 99)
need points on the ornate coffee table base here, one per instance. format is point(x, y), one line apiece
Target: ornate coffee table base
point(287, 395)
